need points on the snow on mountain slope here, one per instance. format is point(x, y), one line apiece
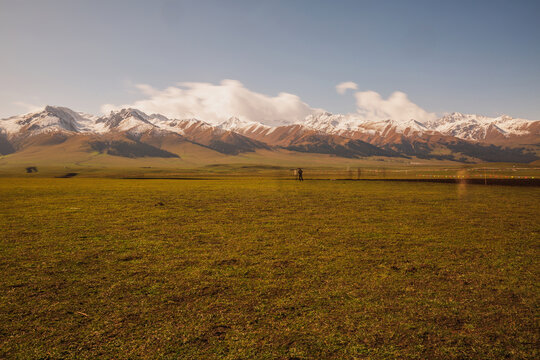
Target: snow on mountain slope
point(189, 126)
point(513, 126)
point(50, 119)
point(235, 124)
point(478, 127)
point(130, 120)
point(463, 126)
point(216, 137)
point(346, 124)
point(323, 132)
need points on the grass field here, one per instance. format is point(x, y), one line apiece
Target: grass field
point(267, 269)
point(57, 161)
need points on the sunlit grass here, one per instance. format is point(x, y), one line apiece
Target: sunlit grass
point(267, 269)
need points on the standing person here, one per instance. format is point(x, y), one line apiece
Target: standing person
point(300, 172)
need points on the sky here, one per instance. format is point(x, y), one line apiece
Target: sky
point(274, 58)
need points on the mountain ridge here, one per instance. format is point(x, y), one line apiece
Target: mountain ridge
point(455, 136)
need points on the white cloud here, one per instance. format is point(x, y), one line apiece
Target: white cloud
point(29, 108)
point(216, 103)
point(371, 106)
point(344, 86)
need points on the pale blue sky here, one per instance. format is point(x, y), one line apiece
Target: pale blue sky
point(468, 56)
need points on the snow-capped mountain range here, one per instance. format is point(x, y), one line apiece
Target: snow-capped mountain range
point(343, 135)
point(463, 126)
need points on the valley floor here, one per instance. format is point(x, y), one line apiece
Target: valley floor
point(267, 269)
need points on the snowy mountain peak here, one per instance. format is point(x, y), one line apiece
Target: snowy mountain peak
point(339, 124)
point(478, 127)
point(234, 124)
point(411, 123)
point(464, 126)
point(129, 112)
point(50, 119)
point(128, 119)
point(159, 117)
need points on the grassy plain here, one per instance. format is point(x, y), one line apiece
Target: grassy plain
point(54, 161)
point(267, 269)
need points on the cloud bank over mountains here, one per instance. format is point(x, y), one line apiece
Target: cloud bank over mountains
point(216, 103)
point(29, 107)
point(371, 106)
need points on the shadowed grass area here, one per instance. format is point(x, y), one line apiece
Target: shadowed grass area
point(265, 269)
